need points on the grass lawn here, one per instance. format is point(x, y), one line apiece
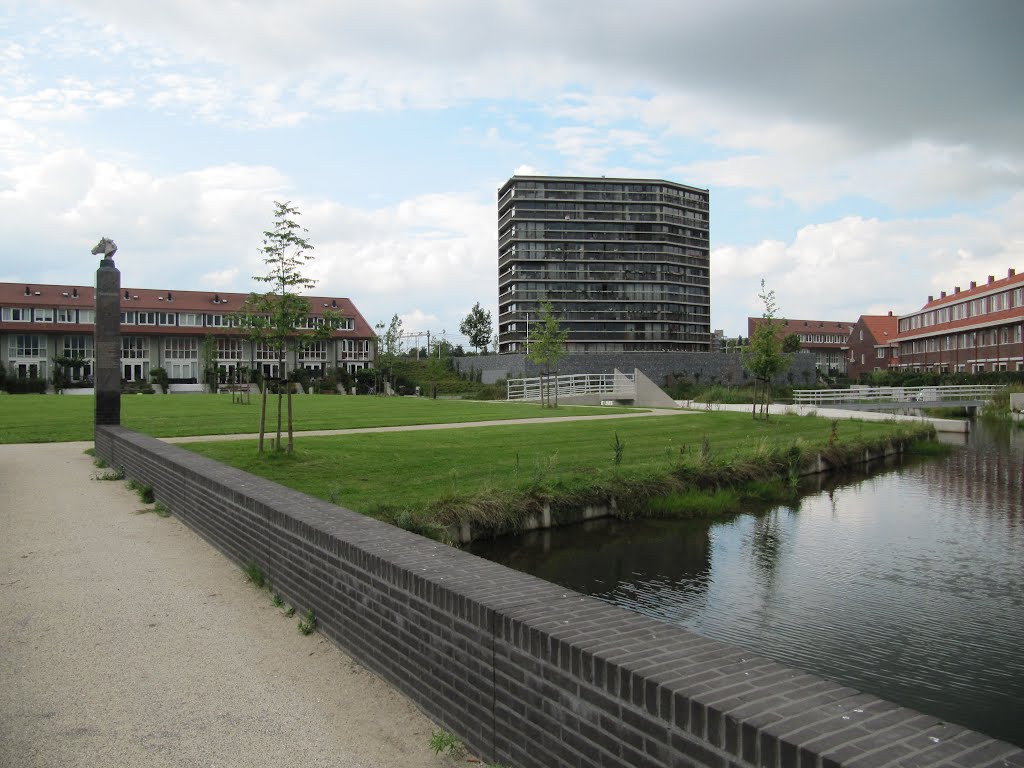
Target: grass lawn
point(62, 418)
point(370, 472)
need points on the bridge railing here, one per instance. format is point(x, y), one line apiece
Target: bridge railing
point(863, 394)
point(621, 384)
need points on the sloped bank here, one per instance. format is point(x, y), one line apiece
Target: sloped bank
point(698, 486)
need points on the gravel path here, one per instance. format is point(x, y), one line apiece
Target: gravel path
point(126, 640)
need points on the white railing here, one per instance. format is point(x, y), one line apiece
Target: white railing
point(619, 384)
point(868, 395)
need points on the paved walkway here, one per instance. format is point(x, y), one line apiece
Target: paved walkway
point(126, 640)
point(453, 425)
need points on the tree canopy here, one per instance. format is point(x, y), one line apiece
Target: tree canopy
point(546, 342)
point(278, 318)
point(477, 327)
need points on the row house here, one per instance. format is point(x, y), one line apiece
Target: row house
point(972, 331)
point(872, 346)
point(825, 339)
point(162, 328)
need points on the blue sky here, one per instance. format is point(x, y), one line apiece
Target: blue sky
point(860, 155)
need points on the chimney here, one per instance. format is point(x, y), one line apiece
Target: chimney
point(942, 295)
point(74, 293)
point(956, 290)
point(1011, 272)
point(974, 284)
point(890, 313)
point(126, 295)
point(991, 279)
point(28, 291)
point(931, 299)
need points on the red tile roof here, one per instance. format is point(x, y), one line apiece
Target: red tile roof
point(883, 328)
point(150, 300)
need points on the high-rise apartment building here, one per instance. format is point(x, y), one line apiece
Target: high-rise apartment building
point(625, 263)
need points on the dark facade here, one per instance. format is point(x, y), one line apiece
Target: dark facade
point(625, 263)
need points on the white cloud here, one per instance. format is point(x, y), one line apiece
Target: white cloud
point(841, 269)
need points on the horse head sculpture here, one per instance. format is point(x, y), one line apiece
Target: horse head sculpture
point(105, 246)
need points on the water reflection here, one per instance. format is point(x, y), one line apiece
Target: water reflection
point(905, 582)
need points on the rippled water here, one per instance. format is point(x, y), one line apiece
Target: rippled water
point(907, 583)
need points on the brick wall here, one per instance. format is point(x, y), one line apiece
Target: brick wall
point(528, 673)
point(705, 367)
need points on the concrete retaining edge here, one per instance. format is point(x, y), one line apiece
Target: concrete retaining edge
point(525, 672)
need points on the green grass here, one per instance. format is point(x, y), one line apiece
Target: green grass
point(52, 418)
point(419, 479)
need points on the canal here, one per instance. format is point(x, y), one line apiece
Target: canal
point(905, 580)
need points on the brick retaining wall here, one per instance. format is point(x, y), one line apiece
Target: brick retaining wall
point(525, 672)
point(659, 367)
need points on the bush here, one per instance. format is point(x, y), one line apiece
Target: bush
point(17, 385)
point(159, 376)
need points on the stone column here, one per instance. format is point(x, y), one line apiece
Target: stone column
point(108, 342)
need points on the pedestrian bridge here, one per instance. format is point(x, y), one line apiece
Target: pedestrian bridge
point(897, 398)
point(616, 388)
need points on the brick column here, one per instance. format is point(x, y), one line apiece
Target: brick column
point(108, 343)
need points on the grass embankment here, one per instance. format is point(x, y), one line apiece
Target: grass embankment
point(54, 419)
point(496, 478)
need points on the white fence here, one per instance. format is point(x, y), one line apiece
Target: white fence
point(868, 395)
point(617, 384)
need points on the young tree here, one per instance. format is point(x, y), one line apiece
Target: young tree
point(389, 345)
point(764, 357)
point(477, 327)
point(208, 361)
point(547, 346)
point(279, 317)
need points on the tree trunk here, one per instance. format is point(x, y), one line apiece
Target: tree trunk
point(291, 436)
point(263, 415)
point(282, 379)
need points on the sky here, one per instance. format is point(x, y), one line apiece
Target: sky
point(860, 155)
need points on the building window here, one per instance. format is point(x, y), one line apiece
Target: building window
point(181, 348)
point(313, 350)
point(134, 348)
point(190, 319)
point(78, 346)
point(881, 353)
point(66, 316)
point(27, 345)
point(16, 314)
point(86, 316)
point(229, 349)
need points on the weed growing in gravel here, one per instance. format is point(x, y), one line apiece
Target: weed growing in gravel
point(277, 600)
point(112, 474)
point(255, 574)
point(307, 623)
point(89, 451)
point(446, 741)
point(145, 491)
point(289, 611)
point(161, 509)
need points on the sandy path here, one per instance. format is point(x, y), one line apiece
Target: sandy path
point(126, 640)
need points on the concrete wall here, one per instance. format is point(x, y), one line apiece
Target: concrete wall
point(528, 673)
point(710, 367)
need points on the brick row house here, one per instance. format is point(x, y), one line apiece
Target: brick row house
point(163, 328)
point(825, 339)
point(972, 331)
point(872, 346)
